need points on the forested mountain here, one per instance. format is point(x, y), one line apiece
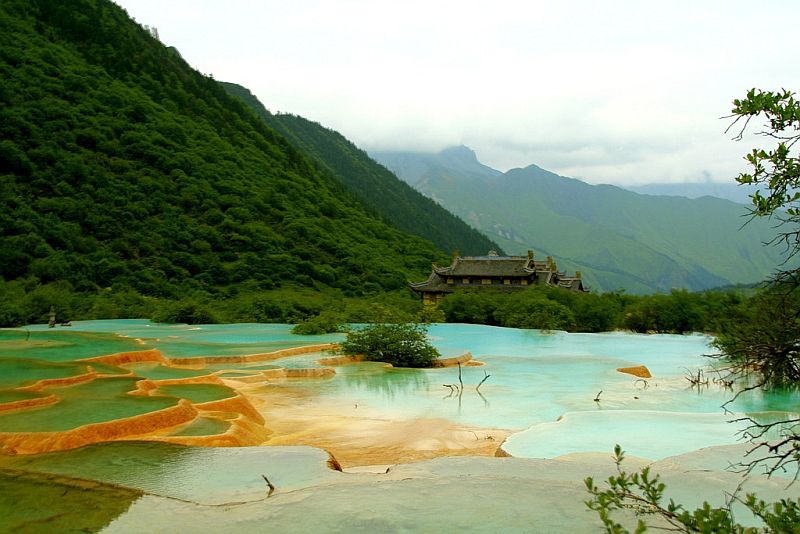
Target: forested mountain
point(121, 167)
point(380, 190)
point(616, 238)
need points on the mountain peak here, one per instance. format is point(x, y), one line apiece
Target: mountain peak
point(460, 153)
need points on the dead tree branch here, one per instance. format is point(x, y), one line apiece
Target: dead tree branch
point(485, 378)
point(269, 485)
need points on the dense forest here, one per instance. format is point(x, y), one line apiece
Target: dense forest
point(128, 178)
point(380, 190)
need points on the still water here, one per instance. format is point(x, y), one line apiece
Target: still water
point(559, 392)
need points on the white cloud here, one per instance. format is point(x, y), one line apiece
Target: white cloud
point(622, 92)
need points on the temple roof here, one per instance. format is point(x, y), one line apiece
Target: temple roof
point(434, 283)
point(488, 266)
point(521, 270)
point(571, 282)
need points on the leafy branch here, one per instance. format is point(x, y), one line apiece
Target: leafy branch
point(644, 495)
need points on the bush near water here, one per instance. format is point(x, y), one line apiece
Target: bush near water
point(402, 345)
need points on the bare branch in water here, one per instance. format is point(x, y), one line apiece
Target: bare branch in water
point(269, 484)
point(485, 378)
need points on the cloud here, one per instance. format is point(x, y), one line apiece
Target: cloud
point(618, 91)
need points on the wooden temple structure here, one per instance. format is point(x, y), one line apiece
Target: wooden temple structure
point(493, 272)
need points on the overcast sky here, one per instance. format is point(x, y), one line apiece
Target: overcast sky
point(623, 92)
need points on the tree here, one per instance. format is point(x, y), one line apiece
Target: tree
point(759, 339)
point(326, 322)
point(775, 170)
point(402, 345)
point(531, 309)
point(762, 344)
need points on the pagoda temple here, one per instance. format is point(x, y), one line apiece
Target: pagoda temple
point(493, 272)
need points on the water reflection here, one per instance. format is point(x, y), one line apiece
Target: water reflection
point(388, 382)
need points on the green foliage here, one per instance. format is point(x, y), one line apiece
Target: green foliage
point(188, 311)
point(679, 312)
point(324, 323)
point(123, 169)
point(550, 308)
point(644, 494)
point(402, 345)
point(597, 313)
point(431, 314)
point(532, 309)
point(776, 170)
point(120, 304)
point(471, 307)
point(759, 338)
point(395, 307)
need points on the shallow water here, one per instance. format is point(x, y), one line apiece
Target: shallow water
point(82, 404)
point(541, 385)
point(196, 392)
point(208, 475)
point(534, 378)
point(646, 434)
point(180, 340)
point(203, 426)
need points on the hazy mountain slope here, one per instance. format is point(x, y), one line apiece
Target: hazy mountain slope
point(460, 163)
point(380, 190)
point(616, 238)
point(728, 190)
point(120, 166)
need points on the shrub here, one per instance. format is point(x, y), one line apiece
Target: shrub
point(402, 345)
point(645, 495)
point(324, 323)
point(532, 310)
point(471, 307)
point(185, 311)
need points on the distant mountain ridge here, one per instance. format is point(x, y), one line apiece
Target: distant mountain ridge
point(728, 191)
point(616, 238)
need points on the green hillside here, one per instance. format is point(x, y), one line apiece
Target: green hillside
point(380, 190)
point(123, 168)
point(616, 238)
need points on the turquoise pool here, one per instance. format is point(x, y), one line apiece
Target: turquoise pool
point(541, 385)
